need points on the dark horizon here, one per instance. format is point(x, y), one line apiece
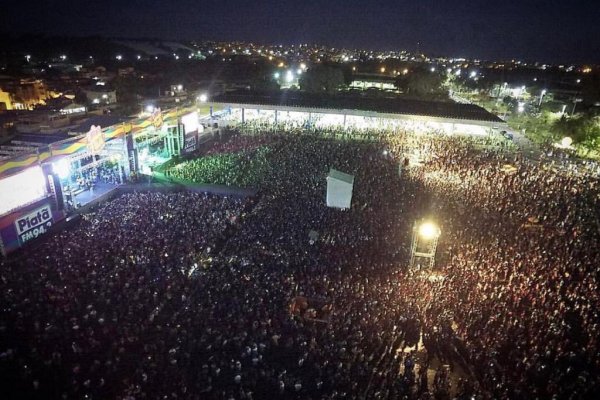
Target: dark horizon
point(548, 32)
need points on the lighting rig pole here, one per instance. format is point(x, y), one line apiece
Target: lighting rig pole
point(424, 243)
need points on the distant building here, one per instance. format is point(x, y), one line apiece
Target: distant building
point(63, 106)
point(374, 81)
point(73, 109)
point(5, 101)
point(126, 72)
point(23, 94)
point(100, 95)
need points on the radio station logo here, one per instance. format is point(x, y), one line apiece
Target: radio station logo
point(34, 224)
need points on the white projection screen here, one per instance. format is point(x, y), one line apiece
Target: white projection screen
point(21, 189)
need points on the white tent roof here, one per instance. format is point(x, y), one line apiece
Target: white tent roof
point(341, 176)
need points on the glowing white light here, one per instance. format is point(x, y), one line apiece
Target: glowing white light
point(22, 188)
point(458, 72)
point(276, 75)
point(432, 69)
point(299, 71)
point(303, 66)
point(473, 74)
point(180, 87)
point(150, 108)
point(521, 107)
point(449, 70)
point(190, 122)
point(139, 57)
point(119, 57)
point(62, 168)
point(289, 76)
point(203, 98)
point(429, 230)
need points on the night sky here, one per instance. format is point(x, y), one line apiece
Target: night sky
point(550, 31)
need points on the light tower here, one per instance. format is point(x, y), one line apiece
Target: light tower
point(424, 243)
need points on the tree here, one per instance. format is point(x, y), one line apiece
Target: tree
point(420, 82)
point(322, 79)
point(583, 129)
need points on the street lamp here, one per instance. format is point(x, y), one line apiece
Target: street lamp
point(424, 242)
point(203, 98)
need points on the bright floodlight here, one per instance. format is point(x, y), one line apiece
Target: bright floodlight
point(566, 141)
point(299, 71)
point(62, 168)
point(473, 74)
point(289, 76)
point(276, 75)
point(150, 108)
point(203, 98)
point(119, 57)
point(432, 69)
point(180, 87)
point(429, 230)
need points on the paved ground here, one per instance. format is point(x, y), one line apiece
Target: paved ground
point(528, 148)
point(98, 190)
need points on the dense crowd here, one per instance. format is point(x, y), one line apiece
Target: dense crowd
point(243, 168)
point(186, 295)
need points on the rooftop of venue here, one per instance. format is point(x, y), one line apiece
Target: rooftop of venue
point(424, 108)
